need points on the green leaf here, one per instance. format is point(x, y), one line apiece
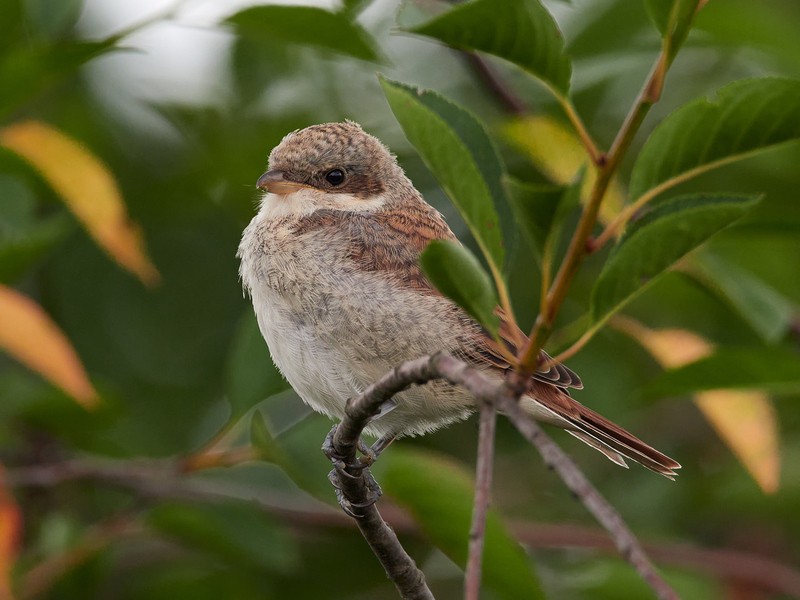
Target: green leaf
point(541, 210)
point(53, 19)
point(251, 375)
point(456, 148)
point(520, 31)
point(768, 312)
point(438, 493)
point(27, 70)
point(673, 19)
point(534, 207)
point(268, 447)
point(307, 25)
point(746, 117)
point(238, 532)
point(456, 272)
point(659, 239)
point(26, 247)
point(775, 370)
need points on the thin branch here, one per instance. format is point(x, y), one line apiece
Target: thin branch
point(483, 389)
point(580, 245)
point(362, 408)
point(624, 539)
point(597, 156)
point(483, 489)
point(354, 485)
point(630, 211)
point(756, 570)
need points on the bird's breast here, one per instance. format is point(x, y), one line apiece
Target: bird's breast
point(333, 329)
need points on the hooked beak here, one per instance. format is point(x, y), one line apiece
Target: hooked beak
point(275, 183)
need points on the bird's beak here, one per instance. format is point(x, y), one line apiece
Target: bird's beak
point(275, 183)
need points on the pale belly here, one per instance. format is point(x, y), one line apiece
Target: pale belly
point(332, 331)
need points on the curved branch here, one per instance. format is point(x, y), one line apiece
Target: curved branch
point(354, 485)
point(441, 366)
point(758, 571)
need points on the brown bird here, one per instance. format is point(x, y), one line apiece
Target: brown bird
point(331, 264)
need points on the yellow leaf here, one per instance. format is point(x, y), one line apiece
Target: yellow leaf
point(86, 187)
point(10, 532)
point(744, 419)
point(558, 153)
point(30, 336)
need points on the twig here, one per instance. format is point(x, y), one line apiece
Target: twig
point(755, 570)
point(624, 539)
point(483, 488)
point(499, 395)
point(580, 245)
point(399, 566)
point(504, 401)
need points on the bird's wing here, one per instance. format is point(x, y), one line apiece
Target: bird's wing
point(391, 241)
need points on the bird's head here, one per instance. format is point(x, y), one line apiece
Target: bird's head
point(334, 166)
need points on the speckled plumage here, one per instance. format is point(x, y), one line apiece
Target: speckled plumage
point(340, 299)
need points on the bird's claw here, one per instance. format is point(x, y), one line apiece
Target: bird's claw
point(368, 458)
point(373, 492)
point(352, 471)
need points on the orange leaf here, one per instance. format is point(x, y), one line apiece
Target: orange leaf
point(30, 336)
point(87, 188)
point(10, 530)
point(744, 419)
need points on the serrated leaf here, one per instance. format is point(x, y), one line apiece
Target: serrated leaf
point(767, 368)
point(28, 334)
point(768, 312)
point(307, 25)
point(456, 273)
point(251, 375)
point(456, 148)
point(658, 240)
point(87, 188)
point(520, 31)
point(438, 493)
point(744, 118)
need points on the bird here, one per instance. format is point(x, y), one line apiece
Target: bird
point(331, 264)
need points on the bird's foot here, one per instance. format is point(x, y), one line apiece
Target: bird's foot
point(372, 495)
point(352, 476)
point(337, 461)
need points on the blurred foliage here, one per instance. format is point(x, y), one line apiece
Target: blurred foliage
point(207, 480)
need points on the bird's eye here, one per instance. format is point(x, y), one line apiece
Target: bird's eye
point(335, 177)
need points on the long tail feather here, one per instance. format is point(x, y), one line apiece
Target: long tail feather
point(555, 406)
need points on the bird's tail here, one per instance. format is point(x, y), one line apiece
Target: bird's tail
point(613, 441)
